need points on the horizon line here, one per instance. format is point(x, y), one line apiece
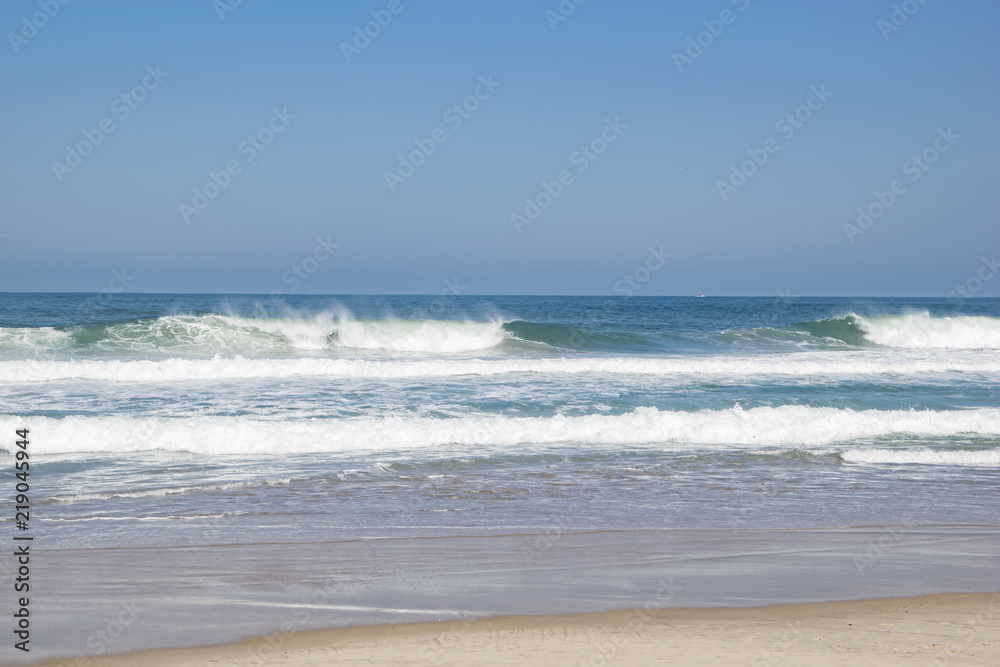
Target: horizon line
point(511, 294)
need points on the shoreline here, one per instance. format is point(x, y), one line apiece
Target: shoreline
point(225, 594)
point(951, 628)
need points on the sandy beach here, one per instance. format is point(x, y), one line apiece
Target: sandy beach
point(951, 629)
point(442, 600)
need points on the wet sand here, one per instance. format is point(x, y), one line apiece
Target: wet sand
point(517, 592)
point(952, 629)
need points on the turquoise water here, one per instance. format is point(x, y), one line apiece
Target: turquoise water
point(166, 420)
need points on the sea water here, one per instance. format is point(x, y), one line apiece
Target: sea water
point(178, 420)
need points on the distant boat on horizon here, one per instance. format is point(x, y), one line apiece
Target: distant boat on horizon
point(700, 294)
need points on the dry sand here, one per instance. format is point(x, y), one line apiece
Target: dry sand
point(938, 630)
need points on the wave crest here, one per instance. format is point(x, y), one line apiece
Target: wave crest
point(919, 330)
point(228, 334)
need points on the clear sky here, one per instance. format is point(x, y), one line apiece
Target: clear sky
point(311, 117)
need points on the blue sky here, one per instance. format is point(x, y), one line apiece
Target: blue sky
point(330, 126)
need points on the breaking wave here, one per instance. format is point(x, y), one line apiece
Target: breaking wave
point(225, 334)
point(913, 330)
point(784, 426)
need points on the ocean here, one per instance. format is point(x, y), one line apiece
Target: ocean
point(176, 422)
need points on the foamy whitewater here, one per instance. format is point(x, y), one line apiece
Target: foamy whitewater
point(168, 420)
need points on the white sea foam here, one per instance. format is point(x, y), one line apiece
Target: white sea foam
point(419, 336)
point(33, 339)
point(162, 492)
point(784, 426)
point(920, 330)
point(802, 364)
point(342, 330)
point(193, 517)
point(986, 457)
